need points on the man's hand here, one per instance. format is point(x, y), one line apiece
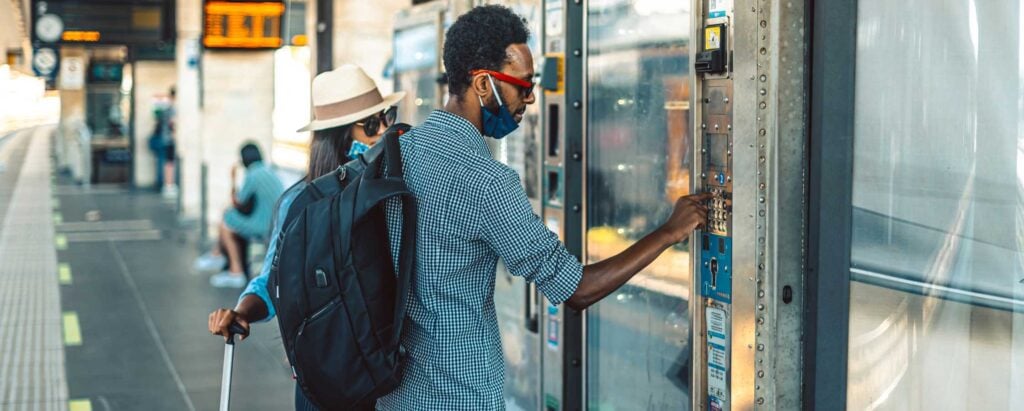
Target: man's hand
point(691, 212)
point(221, 319)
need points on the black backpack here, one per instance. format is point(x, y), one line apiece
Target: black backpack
point(339, 304)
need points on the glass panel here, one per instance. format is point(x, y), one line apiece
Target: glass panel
point(416, 53)
point(638, 146)
point(937, 302)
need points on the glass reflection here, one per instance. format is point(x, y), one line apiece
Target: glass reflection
point(637, 146)
point(937, 306)
point(416, 62)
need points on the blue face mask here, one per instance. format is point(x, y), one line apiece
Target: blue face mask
point(497, 125)
point(358, 148)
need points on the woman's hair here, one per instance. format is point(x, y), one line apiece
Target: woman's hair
point(250, 154)
point(328, 150)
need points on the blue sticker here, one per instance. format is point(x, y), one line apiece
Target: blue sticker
point(714, 404)
point(717, 13)
point(716, 268)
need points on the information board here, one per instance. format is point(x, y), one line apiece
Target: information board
point(243, 24)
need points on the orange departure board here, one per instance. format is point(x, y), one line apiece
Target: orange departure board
point(243, 25)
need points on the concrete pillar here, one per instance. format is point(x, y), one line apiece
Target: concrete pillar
point(238, 103)
point(72, 117)
point(362, 35)
point(224, 98)
point(188, 121)
point(153, 81)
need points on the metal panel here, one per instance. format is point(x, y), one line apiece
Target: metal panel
point(748, 221)
point(768, 216)
point(779, 325)
point(833, 50)
point(574, 172)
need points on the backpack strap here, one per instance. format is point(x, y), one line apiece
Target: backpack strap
point(406, 263)
point(393, 150)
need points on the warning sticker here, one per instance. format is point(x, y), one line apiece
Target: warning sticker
point(717, 356)
point(716, 383)
point(717, 328)
point(712, 38)
point(717, 8)
point(717, 323)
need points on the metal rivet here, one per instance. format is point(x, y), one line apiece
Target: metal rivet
point(763, 23)
point(760, 347)
point(577, 53)
point(576, 156)
point(764, 78)
point(764, 105)
point(729, 126)
point(760, 293)
point(760, 307)
point(764, 51)
point(577, 104)
point(576, 208)
point(760, 320)
point(703, 126)
point(760, 400)
point(716, 126)
point(763, 92)
point(725, 100)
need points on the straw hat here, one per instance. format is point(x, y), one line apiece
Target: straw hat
point(346, 95)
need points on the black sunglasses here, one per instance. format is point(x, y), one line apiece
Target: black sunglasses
point(371, 125)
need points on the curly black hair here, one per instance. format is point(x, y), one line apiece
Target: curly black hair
point(478, 40)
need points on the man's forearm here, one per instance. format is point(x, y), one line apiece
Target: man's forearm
point(601, 278)
point(252, 308)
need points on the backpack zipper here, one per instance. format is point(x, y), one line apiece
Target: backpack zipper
point(318, 313)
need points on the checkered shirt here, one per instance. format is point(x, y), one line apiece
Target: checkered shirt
point(472, 211)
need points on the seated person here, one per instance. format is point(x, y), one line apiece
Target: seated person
point(248, 219)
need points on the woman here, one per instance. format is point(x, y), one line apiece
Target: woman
point(350, 115)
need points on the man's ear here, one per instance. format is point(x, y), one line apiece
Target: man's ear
point(480, 86)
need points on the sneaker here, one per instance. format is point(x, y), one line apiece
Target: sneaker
point(228, 279)
point(170, 192)
point(210, 262)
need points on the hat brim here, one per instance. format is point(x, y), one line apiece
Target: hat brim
point(388, 101)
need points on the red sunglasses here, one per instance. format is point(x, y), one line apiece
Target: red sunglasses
point(525, 87)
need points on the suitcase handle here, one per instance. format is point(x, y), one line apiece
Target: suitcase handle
point(235, 329)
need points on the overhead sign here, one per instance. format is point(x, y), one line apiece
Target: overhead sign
point(128, 22)
point(243, 25)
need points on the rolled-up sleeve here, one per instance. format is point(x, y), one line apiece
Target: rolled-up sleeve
point(528, 248)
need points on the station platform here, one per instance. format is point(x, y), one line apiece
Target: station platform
point(100, 308)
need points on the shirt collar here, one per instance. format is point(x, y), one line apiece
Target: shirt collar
point(464, 131)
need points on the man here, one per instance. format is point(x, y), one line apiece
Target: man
point(247, 219)
point(472, 210)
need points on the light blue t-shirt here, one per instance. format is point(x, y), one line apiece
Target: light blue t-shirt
point(258, 285)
